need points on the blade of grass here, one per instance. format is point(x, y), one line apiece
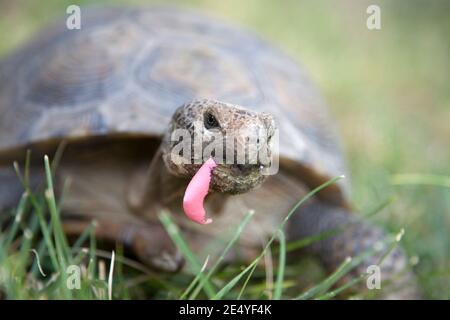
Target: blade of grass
point(80, 256)
point(224, 253)
point(46, 232)
point(38, 204)
point(268, 272)
point(27, 167)
point(190, 287)
point(345, 266)
point(194, 282)
point(421, 179)
point(84, 235)
point(394, 244)
point(91, 268)
point(281, 265)
point(230, 285)
point(20, 211)
point(41, 249)
point(92, 254)
point(304, 242)
point(33, 225)
point(61, 244)
point(58, 155)
point(381, 206)
point(38, 262)
point(349, 284)
point(25, 248)
point(110, 276)
point(19, 173)
point(175, 235)
point(247, 280)
point(123, 292)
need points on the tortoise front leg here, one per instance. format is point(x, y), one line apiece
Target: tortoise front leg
point(150, 242)
point(346, 235)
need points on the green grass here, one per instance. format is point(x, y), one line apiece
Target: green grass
point(27, 273)
point(390, 97)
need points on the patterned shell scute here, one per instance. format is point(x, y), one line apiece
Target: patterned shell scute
point(127, 70)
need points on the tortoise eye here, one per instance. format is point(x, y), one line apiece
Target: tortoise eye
point(210, 121)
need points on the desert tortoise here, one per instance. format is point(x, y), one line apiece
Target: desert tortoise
point(113, 90)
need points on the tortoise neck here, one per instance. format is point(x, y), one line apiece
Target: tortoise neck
point(154, 187)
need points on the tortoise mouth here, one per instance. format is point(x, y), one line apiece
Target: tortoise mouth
point(236, 178)
point(245, 169)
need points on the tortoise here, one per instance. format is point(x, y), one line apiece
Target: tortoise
point(114, 91)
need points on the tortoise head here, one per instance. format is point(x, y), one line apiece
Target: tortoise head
point(239, 140)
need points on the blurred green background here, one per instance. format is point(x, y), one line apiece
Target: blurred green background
point(388, 89)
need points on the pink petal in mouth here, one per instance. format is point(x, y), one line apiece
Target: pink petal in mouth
point(196, 192)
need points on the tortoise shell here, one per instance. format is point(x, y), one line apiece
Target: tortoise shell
point(127, 70)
